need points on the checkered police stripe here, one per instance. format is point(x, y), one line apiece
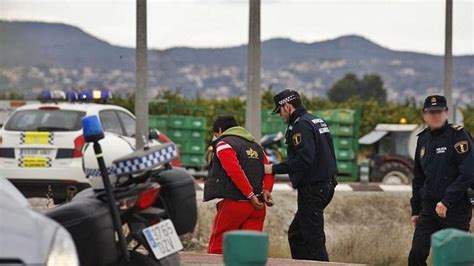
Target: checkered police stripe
point(142, 163)
point(137, 164)
point(50, 137)
point(287, 99)
point(96, 172)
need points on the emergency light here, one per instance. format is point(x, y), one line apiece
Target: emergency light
point(71, 96)
point(92, 128)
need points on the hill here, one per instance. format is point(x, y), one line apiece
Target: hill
point(36, 55)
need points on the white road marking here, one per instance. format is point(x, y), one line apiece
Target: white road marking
point(395, 187)
point(344, 187)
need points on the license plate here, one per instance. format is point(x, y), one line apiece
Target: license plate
point(163, 239)
point(35, 152)
point(36, 138)
point(35, 162)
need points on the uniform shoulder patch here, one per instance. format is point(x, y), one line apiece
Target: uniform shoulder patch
point(461, 146)
point(457, 127)
point(422, 152)
point(296, 138)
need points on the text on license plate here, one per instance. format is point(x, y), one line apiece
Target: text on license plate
point(38, 162)
point(163, 239)
point(35, 152)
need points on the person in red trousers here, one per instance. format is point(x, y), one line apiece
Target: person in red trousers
point(236, 175)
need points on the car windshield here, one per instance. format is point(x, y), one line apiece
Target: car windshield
point(45, 120)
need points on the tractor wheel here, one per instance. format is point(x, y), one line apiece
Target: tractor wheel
point(392, 173)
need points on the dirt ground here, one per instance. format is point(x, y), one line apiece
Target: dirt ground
point(361, 227)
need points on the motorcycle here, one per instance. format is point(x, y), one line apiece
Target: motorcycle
point(270, 144)
point(137, 219)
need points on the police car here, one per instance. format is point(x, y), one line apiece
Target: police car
point(41, 145)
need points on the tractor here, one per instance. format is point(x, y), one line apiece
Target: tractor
point(393, 152)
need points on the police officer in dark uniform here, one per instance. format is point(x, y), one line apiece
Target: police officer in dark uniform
point(443, 173)
point(311, 166)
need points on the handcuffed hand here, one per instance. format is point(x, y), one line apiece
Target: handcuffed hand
point(256, 203)
point(267, 197)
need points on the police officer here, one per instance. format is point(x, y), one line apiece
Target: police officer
point(443, 172)
point(311, 166)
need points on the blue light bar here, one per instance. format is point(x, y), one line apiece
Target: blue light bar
point(51, 95)
point(72, 96)
point(100, 96)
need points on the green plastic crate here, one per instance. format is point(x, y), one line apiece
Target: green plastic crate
point(272, 128)
point(343, 142)
point(158, 122)
point(346, 167)
point(344, 116)
point(347, 178)
point(193, 147)
point(345, 154)
point(326, 115)
point(178, 135)
point(342, 129)
point(178, 121)
point(271, 123)
point(197, 135)
point(197, 123)
point(192, 160)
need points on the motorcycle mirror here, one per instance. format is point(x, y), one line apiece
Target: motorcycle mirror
point(92, 128)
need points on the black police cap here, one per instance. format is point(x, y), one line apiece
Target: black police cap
point(435, 103)
point(283, 97)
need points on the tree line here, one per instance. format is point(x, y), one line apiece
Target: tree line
point(366, 94)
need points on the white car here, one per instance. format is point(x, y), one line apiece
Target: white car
point(29, 237)
point(41, 145)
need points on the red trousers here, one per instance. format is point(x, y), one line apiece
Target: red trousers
point(234, 215)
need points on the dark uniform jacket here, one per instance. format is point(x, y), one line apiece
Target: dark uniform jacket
point(444, 167)
point(250, 155)
point(311, 157)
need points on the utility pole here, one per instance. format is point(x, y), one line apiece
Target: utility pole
point(253, 106)
point(141, 102)
point(448, 60)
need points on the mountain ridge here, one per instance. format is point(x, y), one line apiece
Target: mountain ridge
point(34, 49)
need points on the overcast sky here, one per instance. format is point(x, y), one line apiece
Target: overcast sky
point(398, 24)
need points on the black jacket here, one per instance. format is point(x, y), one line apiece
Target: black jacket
point(250, 155)
point(444, 167)
point(311, 157)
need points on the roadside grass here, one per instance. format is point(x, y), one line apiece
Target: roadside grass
point(361, 227)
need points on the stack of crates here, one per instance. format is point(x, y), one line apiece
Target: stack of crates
point(189, 134)
point(272, 124)
point(344, 125)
